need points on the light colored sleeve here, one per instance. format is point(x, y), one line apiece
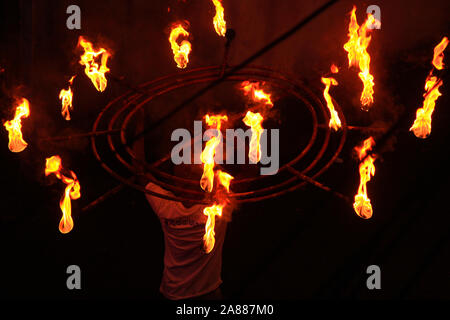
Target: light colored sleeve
point(159, 205)
point(168, 209)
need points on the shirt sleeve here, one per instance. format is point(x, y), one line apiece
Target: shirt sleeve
point(168, 209)
point(158, 205)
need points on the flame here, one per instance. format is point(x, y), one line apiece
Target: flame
point(224, 179)
point(92, 70)
point(254, 121)
point(362, 205)
point(208, 238)
point(358, 56)
point(14, 127)
point(53, 165)
point(180, 52)
point(72, 191)
point(422, 125)
point(219, 23)
point(439, 54)
point(66, 100)
point(207, 156)
point(257, 94)
point(335, 122)
point(334, 68)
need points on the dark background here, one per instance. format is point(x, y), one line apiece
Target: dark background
point(307, 244)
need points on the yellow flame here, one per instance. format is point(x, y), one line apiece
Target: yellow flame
point(92, 69)
point(207, 155)
point(72, 191)
point(356, 47)
point(438, 56)
point(180, 52)
point(14, 127)
point(254, 120)
point(224, 179)
point(220, 24)
point(335, 122)
point(66, 100)
point(209, 236)
point(422, 125)
point(362, 205)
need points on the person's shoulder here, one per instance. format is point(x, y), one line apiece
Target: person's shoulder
point(151, 186)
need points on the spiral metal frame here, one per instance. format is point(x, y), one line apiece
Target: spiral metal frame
point(130, 103)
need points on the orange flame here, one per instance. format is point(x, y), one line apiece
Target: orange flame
point(219, 23)
point(335, 122)
point(14, 127)
point(362, 205)
point(358, 56)
point(207, 156)
point(257, 94)
point(92, 70)
point(422, 125)
point(53, 165)
point(334, 68)
point(72, 191)
point(180, 52)
point(254, 121)
point(208, 238)
point(439, 54)
point(66, 100)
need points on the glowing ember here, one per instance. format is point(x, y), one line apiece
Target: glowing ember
point(209, 239)
point(180, 52)
point(219, 23)
point(334, 68)
point(335, 122)
point(254, 120)
point(257, 94)
point(92, 69)
point(207, 156)
point(362, 205)
point(14, 127)
point(422, 125)
point(439, 54)
point(72, 191)
point(358, 56)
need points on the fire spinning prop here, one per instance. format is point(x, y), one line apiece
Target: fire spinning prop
point(220, 24)
point(124, 108)
point(362, 205)
point(66, 100)
point(14, 127)
point(422, 125)
point(335, 122)
point(72, 191)
point(92, 70)
point(180, 52)
point(358, 56)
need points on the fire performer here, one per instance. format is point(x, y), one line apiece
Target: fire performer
point(189, 272)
